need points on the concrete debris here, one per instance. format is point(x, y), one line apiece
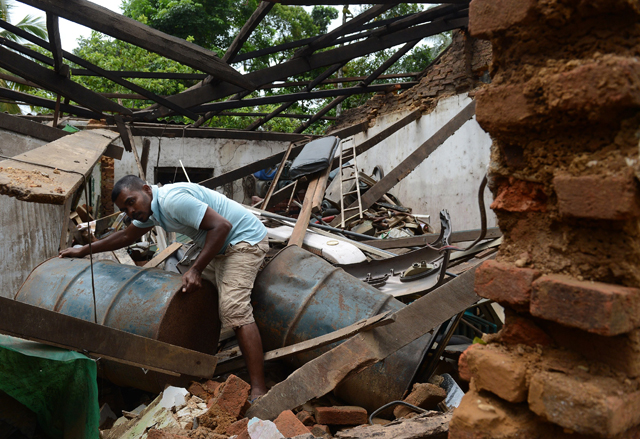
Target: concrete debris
point(174, 397)
point(427, 425)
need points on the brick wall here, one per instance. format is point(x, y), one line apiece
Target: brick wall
point(457, 70)
point(564, 112)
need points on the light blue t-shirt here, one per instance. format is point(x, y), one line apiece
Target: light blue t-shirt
point(180, 208)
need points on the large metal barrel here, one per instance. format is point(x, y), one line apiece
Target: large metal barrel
point(299, 296)
point(146, 302)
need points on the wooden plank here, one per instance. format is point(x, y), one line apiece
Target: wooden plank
point(48, 79)
point(49, 327)
point(321, 375)
point(301, 65)
point(28, 128)
point(213, 133)
point(48, 103)
point(305, 95)
point(247, 29)
point(413, 160)
point(318, 196)
point(300, 229)
point(347, 27)
point(163, 255)
point(276, 178)
point(126, 29)
point(123, 257)
point(314, 343)
point(56, 46)
point(421, 240)
point(74, 156)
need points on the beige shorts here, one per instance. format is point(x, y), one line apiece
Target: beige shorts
point(233, 273)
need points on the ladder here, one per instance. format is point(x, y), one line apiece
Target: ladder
point(347, 154)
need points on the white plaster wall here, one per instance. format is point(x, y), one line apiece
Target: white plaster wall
point(222, 155)
point(449, 178)
point(13, 144)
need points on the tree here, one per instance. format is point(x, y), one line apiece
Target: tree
point(30, 24)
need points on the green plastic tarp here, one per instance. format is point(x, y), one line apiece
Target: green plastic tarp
point(58, 385)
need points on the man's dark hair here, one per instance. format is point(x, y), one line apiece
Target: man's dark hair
point(129, 182)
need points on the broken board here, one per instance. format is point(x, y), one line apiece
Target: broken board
point(322, 374)
point(52, 173)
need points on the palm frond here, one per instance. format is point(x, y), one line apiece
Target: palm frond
point(33, 25)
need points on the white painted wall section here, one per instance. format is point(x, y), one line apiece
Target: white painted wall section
point(449, 178)
point(223, 155)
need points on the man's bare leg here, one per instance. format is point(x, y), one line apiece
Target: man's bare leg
point(251, 347)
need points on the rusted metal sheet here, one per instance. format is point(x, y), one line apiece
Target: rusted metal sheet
point(143, 302)
point(299, 296)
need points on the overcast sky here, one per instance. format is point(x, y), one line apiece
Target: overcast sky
point(69, 31)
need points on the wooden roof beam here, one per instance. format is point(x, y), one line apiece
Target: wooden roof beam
point(34, 72)
point(126, 29)
point(261, 11)
point(48, 103)
point(317, 60)
point(99, 71)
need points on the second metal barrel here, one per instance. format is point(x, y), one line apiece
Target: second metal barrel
point(146, 302)
point(299, 296)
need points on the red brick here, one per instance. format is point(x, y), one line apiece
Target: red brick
point(238, 427)
point(521, 330)
point(305, 417)
point(505, 283)
point(597, 197)
point(520, 196)
point(505, 110)
point(198, 390)
point(233, 396)
point(589, 404)
point(160, 434)
point(463, 363)
point(341, 415)
point(498, 371)
point(489, 17)
point(319, 430)
point(484, 416)
point(620, 352)
point(618, 89)
point(289, 425)
point(212, 387)
point(597, 307)
point(423, 395)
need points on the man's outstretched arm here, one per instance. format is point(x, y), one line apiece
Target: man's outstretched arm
point(118, 240)
point(218, 229)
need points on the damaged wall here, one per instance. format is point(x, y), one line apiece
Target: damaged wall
point(450, 177)
point(564, 112)
point(221, 155)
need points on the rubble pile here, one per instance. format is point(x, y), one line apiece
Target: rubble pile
point(216, 410)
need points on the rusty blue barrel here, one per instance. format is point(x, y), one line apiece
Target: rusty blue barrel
point(299, 296)
point(146, 302)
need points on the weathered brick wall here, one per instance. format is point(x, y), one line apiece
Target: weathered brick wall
point(564, 112)
point(458, 70)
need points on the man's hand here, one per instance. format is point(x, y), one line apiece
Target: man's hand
point(72, 253)
point(191, 281)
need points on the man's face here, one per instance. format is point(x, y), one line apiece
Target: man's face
point(136, 204)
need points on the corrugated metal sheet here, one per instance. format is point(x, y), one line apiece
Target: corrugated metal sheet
point(29, 234)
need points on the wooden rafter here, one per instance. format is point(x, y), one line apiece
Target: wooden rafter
point(56, 46)
point(317, 60)
point(365, 83)
point(127, 29)
point(261, 11)
point(47, 103)
point(76, 59)
point(34, 72)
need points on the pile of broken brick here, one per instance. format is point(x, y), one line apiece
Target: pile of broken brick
point(216, 410)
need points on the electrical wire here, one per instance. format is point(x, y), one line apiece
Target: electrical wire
point(86, 194)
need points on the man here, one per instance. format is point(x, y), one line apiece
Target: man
point(233, 241)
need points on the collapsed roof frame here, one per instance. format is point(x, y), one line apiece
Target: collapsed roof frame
point(220, 81)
